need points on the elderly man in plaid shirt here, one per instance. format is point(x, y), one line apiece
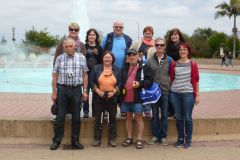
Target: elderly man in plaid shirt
point(69, 74)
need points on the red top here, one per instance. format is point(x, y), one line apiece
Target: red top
point(132, 72)
point(194, 74)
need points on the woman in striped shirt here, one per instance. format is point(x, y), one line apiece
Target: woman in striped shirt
point(184, 94)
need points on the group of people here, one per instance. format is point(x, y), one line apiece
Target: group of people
point(116, 71)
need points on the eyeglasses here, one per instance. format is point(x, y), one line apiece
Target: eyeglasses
point(158, 45)
point(120, 27)
point(72, 29)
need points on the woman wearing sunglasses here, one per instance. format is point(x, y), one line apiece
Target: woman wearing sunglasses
point(73, 30)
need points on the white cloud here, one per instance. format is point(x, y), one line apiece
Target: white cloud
point(162, 15)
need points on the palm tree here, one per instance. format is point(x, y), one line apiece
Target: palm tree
point(229, 10)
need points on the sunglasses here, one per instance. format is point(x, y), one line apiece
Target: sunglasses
point(75, 30)
point(158, 45)
point(120, 27)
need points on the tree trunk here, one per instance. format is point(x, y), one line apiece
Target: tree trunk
point(234, 36)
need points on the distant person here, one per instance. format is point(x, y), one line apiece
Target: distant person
point(230, 57)
point(131, 101)
point(93, 56)
point(73, 30)
point(184, 94)
point(146, 47)
point(118, 43)
point(223, 56)
point(160, 63)
point(105, 82)
point(69, 74)
point(174, 40)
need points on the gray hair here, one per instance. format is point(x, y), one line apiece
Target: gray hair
point(159, 39)
point(68, 39)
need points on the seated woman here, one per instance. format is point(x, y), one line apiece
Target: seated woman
point(131, 101)
point(105, 82)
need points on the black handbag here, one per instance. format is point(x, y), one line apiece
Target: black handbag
point(54, 109)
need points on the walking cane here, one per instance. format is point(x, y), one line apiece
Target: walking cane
point(108, 125)
point(101, 127)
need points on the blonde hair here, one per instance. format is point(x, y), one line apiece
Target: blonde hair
point(74, 25)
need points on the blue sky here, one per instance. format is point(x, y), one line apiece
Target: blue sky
point(100, 14)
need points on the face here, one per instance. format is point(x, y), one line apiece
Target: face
point(175, 37)
point(69, 47)
point(92, 37)
point(148, 35)
point(160, 46)
point(118, 28)
point(183, 52)
point(73, 32)
point(107, 59)
point(133, 58)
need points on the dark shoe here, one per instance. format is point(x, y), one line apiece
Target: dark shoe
point(96, 143)
point(77, 145)
point(54, 146)
point(112, 143)
point(85, 116)
point(187, 145)
point(179, 143)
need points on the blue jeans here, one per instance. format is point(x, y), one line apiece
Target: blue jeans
point(183, 104)
point(66, 95)
point(155, 122)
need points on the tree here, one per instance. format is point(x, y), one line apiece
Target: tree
point(202, 33)
point(230, 45)
point(40, 38)
point(216, 40)
point(229, 10)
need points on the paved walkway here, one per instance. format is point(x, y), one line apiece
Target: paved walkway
point(224, 150)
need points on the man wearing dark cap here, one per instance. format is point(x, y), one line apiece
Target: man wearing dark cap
point(131, 101)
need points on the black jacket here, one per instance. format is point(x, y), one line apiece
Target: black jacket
point(146, 83)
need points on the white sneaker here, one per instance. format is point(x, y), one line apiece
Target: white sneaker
point(164, 142)
point(154, 140)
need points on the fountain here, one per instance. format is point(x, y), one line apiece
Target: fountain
point(79, 15)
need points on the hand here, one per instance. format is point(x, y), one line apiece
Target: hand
point(54, 96)
point(135, 84)
point(85, 96)
point(111, 94)
point(197, 100)
point(100, 93)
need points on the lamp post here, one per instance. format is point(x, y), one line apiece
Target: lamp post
point(138, 29)
point(13, 34)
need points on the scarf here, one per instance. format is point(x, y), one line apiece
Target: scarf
point(148, 43)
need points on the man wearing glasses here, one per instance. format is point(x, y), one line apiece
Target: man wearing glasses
point(73, 30)
point(160, 63)
point(118, 43)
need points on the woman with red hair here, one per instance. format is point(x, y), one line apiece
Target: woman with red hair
point(184, 94)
